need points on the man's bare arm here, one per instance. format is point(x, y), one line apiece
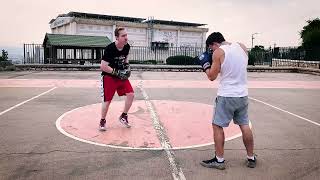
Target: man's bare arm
point(213, 72)
point(244, 48)
point(104, 66)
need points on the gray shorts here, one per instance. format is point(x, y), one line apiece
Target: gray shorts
point(228, 108)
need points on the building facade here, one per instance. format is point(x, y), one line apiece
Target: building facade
point(80, 38)
point(141, 31)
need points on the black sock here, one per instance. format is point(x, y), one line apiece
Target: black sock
point(124, 114)
point(103, 119)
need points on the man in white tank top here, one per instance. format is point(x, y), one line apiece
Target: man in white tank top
point(230, 60)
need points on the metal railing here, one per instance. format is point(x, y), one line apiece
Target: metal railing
point(286, 57)
point(36, 54)
point(296, 57)
point(160, 55)
point(33, 54)
point(277, 57)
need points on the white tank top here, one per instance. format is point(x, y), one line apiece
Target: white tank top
point(233, 73)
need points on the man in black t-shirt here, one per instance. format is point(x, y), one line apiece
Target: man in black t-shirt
point(114, 77)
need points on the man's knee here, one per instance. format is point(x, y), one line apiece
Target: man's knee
point(245, 128)
point(106, 103)
point(246, 131)
point(130, 95)
point(216, 127)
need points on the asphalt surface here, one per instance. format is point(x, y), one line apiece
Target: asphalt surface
point(287, 145)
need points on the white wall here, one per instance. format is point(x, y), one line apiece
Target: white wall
point(191, 39)
point(169, 36)
point(137, 36)
point(54, 31)
point(67, 29)
point(94, 30)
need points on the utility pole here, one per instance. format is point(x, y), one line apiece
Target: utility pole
point(252, 38)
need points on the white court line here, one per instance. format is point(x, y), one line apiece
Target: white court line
point(58, 125)
point(15, 106)
point(164, 140)
point(305, 119)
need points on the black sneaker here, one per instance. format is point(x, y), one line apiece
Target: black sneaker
point(252, 163)
point(213, 163)
point(102, 126)
point(124, 120)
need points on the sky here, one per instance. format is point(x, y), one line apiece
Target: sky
point(276, 21)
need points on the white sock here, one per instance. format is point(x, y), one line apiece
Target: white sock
point(220, 159)
point(250, 157)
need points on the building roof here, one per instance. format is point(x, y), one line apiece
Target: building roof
point(174, 23)
point(75, 40)
point(127, 19)
point(101, 16)
point(52, 20)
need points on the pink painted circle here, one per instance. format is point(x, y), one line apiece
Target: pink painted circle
point(186, 124)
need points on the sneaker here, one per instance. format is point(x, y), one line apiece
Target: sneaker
point(213, 163)
point(102, 125)
point(251, 163)
point(124, 120)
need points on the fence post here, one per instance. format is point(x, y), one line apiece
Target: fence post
point(24, 53)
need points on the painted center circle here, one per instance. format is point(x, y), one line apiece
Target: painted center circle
point(186, 124)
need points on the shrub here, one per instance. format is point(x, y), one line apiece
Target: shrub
point(5, 63)
point(252, 59)
point(10, 68)
point(181, 60)
point(143, 62)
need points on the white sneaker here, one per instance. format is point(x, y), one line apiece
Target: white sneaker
point(124, 120)
point(102, 126)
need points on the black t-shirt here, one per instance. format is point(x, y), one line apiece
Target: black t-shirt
point(114, 57)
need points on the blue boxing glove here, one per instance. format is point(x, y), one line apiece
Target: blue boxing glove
point(205, 60)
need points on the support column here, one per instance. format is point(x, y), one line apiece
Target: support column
point(113, 36)
point(178, 38)
point(203, 40)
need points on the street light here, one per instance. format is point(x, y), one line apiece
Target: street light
point(252, 38)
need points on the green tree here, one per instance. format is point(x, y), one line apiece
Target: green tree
point(4, 55)
point(258, 48)
point(256, 55)
point(310, 36)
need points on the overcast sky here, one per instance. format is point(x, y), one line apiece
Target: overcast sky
point(276, 21)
